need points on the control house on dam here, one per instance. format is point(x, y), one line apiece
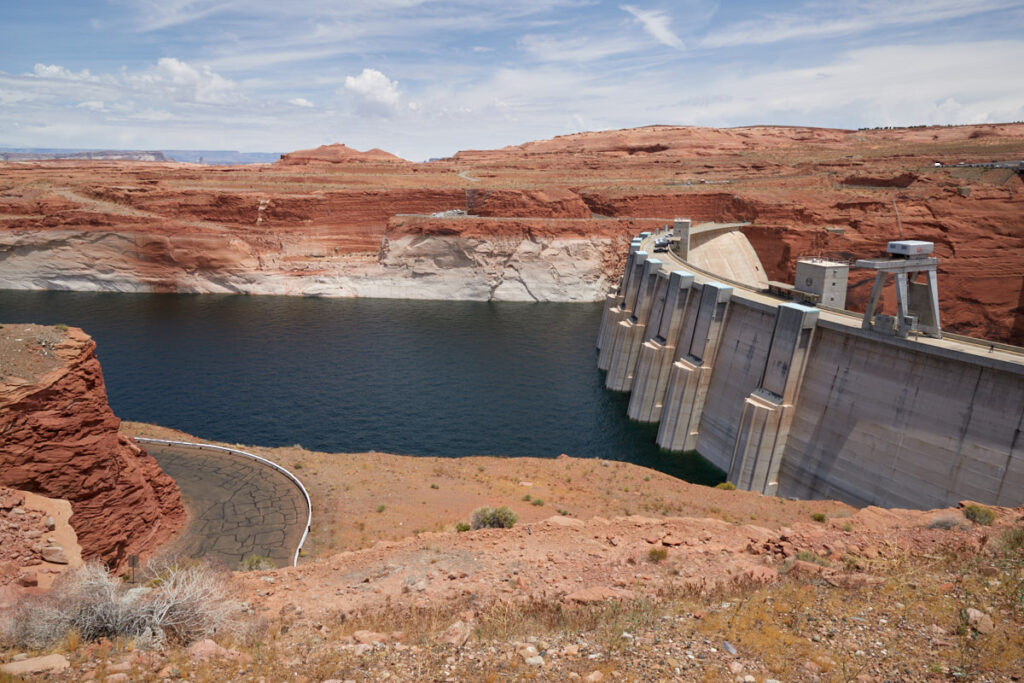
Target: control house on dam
point(791, 395)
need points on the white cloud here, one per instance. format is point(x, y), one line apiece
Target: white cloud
point(374, 88)
point(300, 102)
point(168, 81)
point(154, 115)
point(809, 22)
point(656, 23)
point(923, 84)
point(548, 48)
point(185, 82)
point(55, 71)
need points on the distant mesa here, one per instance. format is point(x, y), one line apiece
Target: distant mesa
point(338, 154)
point(84, 155)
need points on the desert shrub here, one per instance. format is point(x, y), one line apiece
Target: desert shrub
point(726, 486)
point(945, 522)
point(819, 517)
point(808, 556)
point(657, 555)
point(979, 514)
point(493, 518)
point(251, 563)
point(62, 327)
point(462, 526)
point(1012, 539)
point(188, 602)
point(537, 501)
point(181, 603)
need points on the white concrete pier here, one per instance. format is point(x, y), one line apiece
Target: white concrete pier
point(691, 372)
point(658, 352)
point(629, 334)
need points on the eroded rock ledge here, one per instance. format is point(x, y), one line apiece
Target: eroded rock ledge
point(59, 438)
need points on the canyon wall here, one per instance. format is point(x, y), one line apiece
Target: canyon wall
point(545, 218)
point(411, 262)
point(60, 439)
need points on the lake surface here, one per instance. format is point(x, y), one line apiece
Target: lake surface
point(349, 375)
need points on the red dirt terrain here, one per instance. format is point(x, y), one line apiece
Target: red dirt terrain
point(805, 191)
point(748, 588)
point(60, 439)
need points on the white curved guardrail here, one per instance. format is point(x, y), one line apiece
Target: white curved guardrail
point(206, 446)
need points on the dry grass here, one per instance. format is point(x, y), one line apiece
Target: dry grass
point(179, 603)
point(778, 630)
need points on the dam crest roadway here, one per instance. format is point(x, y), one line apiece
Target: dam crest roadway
point(800, 401)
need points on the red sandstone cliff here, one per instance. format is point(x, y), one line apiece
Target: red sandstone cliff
point(313, 223)
point(59, 438)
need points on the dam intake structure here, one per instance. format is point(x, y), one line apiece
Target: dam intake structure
point(809, 402)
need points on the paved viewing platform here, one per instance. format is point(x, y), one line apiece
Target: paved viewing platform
point(237, 506)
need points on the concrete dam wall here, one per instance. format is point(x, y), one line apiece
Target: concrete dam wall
point(797, 401)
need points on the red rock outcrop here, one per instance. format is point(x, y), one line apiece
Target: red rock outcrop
point(338, 154)
point(60, 439)
point(37, 544)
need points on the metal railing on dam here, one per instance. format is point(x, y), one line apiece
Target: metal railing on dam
point(801, 402)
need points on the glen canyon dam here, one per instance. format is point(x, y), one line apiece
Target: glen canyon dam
point(807, 386)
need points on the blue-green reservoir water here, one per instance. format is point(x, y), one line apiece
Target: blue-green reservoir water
point(348, 375)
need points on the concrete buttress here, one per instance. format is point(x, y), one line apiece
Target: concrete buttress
point(614, 298)
point(768, 411)
point(631, 333)
point(691, 372)
point(624, 309)
point(658, 352)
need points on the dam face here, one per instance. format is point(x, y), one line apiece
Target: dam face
point(799, 402)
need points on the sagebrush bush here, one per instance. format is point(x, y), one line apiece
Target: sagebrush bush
point(656, 555)
point(979, 514)
point(179, 603)
point(1012, 538)
point(945, 522)
point(726, 486)
point(493, 518)
point(251, 563)
point(807, 556)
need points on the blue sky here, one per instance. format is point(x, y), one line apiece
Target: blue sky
point(425, 78)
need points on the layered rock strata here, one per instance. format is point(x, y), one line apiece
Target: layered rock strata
point(331, 221)
point(59, 438)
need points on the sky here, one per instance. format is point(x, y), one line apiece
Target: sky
point(426, 78)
